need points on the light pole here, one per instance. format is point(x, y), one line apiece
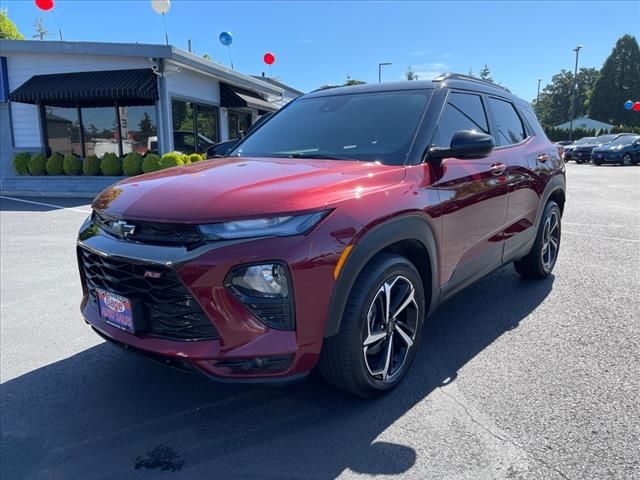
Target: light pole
point(575, 91)
point(538, 97)
point(380, 65)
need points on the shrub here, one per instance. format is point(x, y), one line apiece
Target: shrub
point(111, 165)
point(171, 159)
point(21, 163)
point(72, 165)
point(151, 163)
point(132, 164)
point(54, 164)
point(195, 157)
point(38, 165)
point(91, 165)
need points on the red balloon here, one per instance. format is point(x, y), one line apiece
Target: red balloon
point(636, 106)
point(269, 58)
point(45, 5)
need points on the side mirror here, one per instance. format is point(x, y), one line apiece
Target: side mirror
point(465, 144)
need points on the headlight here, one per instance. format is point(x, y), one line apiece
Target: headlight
point(262, 227)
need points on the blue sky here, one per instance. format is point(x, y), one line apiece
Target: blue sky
point(317, 43)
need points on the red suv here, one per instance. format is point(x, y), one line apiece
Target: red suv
point(327, 236)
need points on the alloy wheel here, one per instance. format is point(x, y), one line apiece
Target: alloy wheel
point(550, 240)
point(390, 330)
point(626, 160)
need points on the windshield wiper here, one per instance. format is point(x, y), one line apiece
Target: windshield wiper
point(319, 156)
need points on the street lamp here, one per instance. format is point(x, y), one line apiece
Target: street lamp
point(538, 97)
point(575, 90)
point(380, 70)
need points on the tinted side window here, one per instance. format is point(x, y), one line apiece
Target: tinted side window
point(463, 111)
point(508, 124)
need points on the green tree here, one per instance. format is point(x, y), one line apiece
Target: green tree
point(410, 74)
point(206, 56)
point(145, 128)
point(619, 81)
point(8, 29)
point(485, 73)
point(352, 81)
point(554, 106)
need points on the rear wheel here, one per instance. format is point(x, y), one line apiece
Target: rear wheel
point(543, 255)
point(380, 329)
point(626, 160)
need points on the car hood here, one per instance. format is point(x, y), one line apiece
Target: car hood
point(231, 188)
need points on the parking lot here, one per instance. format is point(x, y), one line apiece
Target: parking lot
point(515, 379)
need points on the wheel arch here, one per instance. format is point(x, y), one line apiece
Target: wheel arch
point(410, 236)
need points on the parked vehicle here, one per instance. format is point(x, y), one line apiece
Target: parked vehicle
point(223, 148)
point(328, 234)
point(568, 149)
point(624, 150)
point(582, 153)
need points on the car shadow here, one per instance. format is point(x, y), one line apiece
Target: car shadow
point(104, 414)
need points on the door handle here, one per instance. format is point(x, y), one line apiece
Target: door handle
point(543, 157)
point(498, 168)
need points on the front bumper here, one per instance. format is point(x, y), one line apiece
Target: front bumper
point(606, 157)
point(245, 349)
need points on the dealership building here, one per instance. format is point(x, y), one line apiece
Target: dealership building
point(90, 98)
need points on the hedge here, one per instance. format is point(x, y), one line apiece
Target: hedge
point(151, 163)
point(72, 165)
point(21, 163)
point(91, 166)
point(111, 165)
point(38, 165)
point(132, 164)
point(195, 157)
point(171, 159)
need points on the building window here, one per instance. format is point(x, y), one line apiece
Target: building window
point(67, 128)
point(138, 126)
point(63, 130)
point(190, 121)
point(239, 123)
point(100, 131)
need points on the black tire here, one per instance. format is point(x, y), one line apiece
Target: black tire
point(597, 163)
point(344, 361)
point(626, 160)
point(534, 265)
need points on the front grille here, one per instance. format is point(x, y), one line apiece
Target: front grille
point(151, 232)
point(167, 308)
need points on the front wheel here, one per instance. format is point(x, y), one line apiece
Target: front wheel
point(543, 255)
point(626, 160)
point(380, 329)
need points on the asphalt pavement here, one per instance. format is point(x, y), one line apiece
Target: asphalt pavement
point(515, 379)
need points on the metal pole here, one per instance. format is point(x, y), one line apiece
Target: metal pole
point(538, 97)
point(380, 65)
point(166, 35)
point(575, 91)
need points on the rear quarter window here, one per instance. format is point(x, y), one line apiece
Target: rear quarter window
point(509, 127)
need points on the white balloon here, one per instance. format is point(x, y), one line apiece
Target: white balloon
point(161, 6)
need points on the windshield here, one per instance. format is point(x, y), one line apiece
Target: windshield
point(584, 140)
point(605, 138)
point(625, 140)
point(360, 126)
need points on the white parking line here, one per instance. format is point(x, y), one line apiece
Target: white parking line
point(60, 207)
point(601, 236)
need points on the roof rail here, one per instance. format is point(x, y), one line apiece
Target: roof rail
point(459, 76)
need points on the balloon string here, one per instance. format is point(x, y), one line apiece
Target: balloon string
point(166, 35)
point(55, 19)
point(230, 59)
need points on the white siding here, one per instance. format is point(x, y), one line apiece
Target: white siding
point(21, 67)
point(193, 86)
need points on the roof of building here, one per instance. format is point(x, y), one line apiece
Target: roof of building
point(151, 51)
point(586, 122)
point(278, 84)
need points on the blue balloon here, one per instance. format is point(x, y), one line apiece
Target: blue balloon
point(628, 104)
point(225, 39)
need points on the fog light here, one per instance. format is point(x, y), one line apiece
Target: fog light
point(269, 280)
point(266, 292)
